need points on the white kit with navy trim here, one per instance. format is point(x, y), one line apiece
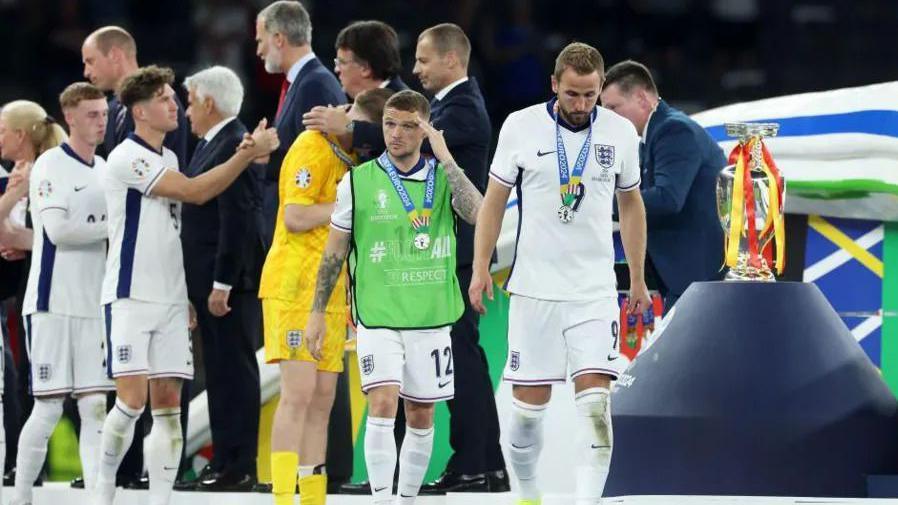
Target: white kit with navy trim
point(554, 260)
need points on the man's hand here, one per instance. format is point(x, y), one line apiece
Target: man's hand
point(481, 281)
point(218, 302)
point(640, 300)
point(314, 334)
point(437, 141)
point(191, 317)
point(261, 142)
point(330, 119)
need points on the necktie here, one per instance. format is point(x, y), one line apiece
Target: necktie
point(199, 147)
point(284, 87)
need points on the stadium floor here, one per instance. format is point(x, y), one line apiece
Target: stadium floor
point(62, 494)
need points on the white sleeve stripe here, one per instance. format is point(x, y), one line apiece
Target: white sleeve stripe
point(631, 187)
point(154, 181)
point(340, 228)
point(501, 180)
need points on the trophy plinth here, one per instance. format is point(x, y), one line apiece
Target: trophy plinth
point(749, 204)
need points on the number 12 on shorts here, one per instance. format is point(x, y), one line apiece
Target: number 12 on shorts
point(447, 353)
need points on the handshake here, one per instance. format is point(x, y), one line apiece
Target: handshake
point(261, 142)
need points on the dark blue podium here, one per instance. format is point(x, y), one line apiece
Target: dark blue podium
point(752, 389)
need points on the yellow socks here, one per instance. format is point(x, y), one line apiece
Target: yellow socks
point(312, 485)
point(283, 477)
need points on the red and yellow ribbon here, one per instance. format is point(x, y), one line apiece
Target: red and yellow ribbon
point(743, 210)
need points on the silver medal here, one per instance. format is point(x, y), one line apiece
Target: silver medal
point(422, 241)
point(565, 214)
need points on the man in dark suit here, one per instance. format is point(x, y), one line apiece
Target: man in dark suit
point(283, 41)
point(458, 109)
point(223, 254)
point(367, 58)
point(109, 55)
point(680, 163)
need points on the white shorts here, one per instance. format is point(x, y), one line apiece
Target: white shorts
point(549, 341)
point(418, 361)
point(67, 354)
point(145, 338)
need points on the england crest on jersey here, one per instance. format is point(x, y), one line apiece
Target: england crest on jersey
point(605, 155)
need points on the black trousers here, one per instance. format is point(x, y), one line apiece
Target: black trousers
point(229, 345)
point(473, 418)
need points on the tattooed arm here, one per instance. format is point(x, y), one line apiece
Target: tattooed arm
point(466, 199)
point(330, 268)
point(328, 274)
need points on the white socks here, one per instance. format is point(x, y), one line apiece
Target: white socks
point(33, 445)
point(380, 457)
point(118, 432)
point(596, 440)
point(413, 460)
point(163, 453)
point(525, 443)
point(92, 410)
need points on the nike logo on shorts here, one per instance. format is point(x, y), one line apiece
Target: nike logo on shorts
point(79, 188)
point(444, 384)
point(541, 154)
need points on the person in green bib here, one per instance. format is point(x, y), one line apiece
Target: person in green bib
point(395, 218)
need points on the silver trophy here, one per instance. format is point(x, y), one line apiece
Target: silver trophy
point(742, 265)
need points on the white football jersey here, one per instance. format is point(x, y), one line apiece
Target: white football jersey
point(66, 277)
point(145, 260)
point(555, 260)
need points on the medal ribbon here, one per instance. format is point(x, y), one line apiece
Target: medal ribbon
point(340, 153)
point(570, 179)
point(420, 221)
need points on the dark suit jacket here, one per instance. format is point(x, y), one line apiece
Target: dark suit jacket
point(121, 124)
point(680, 163)
point(462, 116)
point(222, 239)
point(368, 138)
point(314, 85)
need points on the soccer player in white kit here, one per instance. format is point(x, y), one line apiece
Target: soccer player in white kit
point(62, 299)
point(567, 160)
point(144, 292)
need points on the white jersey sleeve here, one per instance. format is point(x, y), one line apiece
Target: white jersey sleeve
point(140, 173)
point(504, 168)
point(341, 219)
point(630, 174)
point(47, 189)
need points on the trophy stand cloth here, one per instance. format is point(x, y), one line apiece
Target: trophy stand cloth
point(752, 389)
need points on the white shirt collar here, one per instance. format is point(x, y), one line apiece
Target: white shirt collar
point(294, 70)
point(645, 129)
point(217, 128)
point(441, 94)
point(384, 83)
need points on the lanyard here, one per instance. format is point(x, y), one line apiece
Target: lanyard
point(420, 222)
point(338, 151)
point(570, 179)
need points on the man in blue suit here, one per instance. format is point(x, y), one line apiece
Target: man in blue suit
point(109, 55)
point(680, 163)
point(283, 41)
point(458, 109)
point(224, 250)
point(367, 58)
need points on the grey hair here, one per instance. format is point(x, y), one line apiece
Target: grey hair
point(290, 19)
point(222, 85)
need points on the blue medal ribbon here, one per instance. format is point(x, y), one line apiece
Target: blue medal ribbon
point(420, 221)
point(570, 179)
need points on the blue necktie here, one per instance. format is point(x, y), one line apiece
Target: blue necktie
point(199, 147)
